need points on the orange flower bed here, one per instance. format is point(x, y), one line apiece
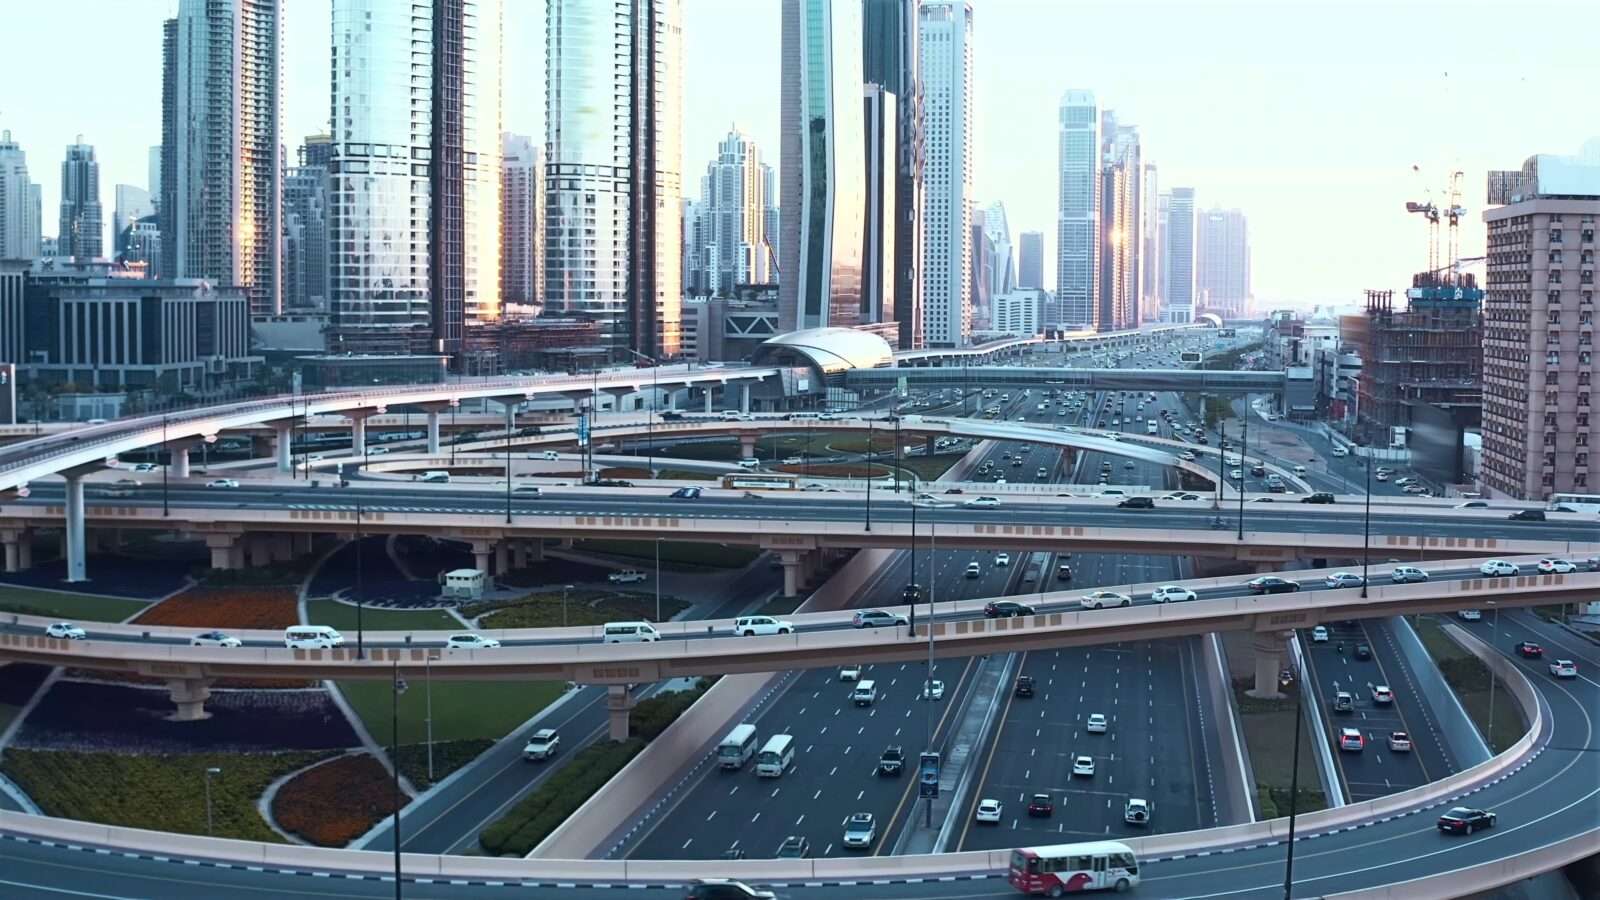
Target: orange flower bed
point(240, 607)
point(334, 803)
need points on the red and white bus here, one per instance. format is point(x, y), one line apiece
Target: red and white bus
point(1066, 868)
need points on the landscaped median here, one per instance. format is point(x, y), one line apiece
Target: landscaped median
point(579, 606)
point(1469, 678)
point(334, 802)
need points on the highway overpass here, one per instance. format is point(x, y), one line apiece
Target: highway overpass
point(1193, 381)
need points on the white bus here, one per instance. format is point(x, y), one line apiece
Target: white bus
point(1067, 868)
point(775, 756)
point(737, 748)
point(1584, 503)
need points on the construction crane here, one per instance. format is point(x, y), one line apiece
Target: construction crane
point(1451, 214)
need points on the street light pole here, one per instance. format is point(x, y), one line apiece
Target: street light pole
point(427, 689)
point(1492, 678)
point(511, 420)
point(165, 466)
point(1222, 456)
point(394, 732)
point(1244, 453)
point(658, 579)
point(869, 475)
point(933, 590)
point(1294, 794)
point(210, 771)
point(360, 635)
point(1366, 534)
point(564, 589)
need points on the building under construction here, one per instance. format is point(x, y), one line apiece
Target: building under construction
point(1422, 366)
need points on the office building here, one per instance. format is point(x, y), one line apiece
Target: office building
point(1540, 428)
point(1177, 282)
point(141, 247)
point(221, 158)
point(980, 269)
point(1003, 279)
point(1425, 354)
point(1150, 229)
point(305, 231)
point(1019, 312)
point(19, 203)
point(82, 230)
point(882, 120)
point(153, 176)
point(890, 59)
point(522, 220)
point(1078, 211)
point(945, 74)
point(729, 244)
point(822, 165)
point(1030, 259)
point(132, 204)
point(1118, 291)
point(1222, 263)
point(613, 170)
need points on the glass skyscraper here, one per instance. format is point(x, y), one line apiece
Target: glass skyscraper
point(945, 73)
point(1078, 216)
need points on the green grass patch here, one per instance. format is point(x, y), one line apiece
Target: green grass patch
point(931, 468)
point(838, 470)
point(538, 814)
point(1268, 727)
point(61, 604)
point(780, 606)
point(850, 442)
point(159, 792)
point(543, 609)
point(343, 617)
point(1470, 678)
point(289, 573)
point(1274, 802)
point(462, 710)
point(686, 475)
point(676, 555)
point(448, 756)
point(712, 451)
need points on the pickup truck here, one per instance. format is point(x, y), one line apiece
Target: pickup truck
point(627, 576)
point(892, 761)
point(1564, 668)
point(1137, 812)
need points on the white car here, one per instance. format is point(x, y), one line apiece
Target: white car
point(1002, 559)
point(1381, 694)
point(1497, 567)
point(753, 625)
point(1083, 765)
point(988, 811)
point(222, 483)
point(859, 830)
point(1344, 580)
point(1400, 742)
point(1564, 668)
point(1137, 812)
point(851, 672)
point(1171, 593)
point(627, 576)
point(542, 745)
point(1553, 566)
point(1319, 634)
point(1469, 615)
point(933, 690)
point(1096, 724)
point(214, 639)
point(983, 503)
point(470, 642)
point(65, 631)
point(1102, 599)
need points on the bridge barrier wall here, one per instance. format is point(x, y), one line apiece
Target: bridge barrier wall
point(1239, 792)
point(1466, 743)
point(1478, 880)
point(1321, 746)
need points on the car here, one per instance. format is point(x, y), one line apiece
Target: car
point(1002, 559)
point(1363, 651)
point(1236, 474)
point(1552, 566)
point(1380, 476)
point(892, 761)
point(1344, 580)
point(1473, 504)
point(686, 493)
point(1564, 668)
point(1136, 812)
point(1498, 567)
point(1083, 765)
point(1381, 694)
point(1263, 500)
point(750, 626)
point(1040, 806)
point(725, 888)
point(214, 639)
point(1128, 465)
point(1024, 686)
point(1350, 739)
point(874, 618)
point(982, 502)
point(859, 830)
point(1465, 820)
point(1172, 593)
point(1102, 599)
point(1529, 650)
point(1404, 482)
point(933, 690)
point(222, 483)
point(1319, 634)
point(65, 631)
point(1063, 572)
point(626, 576)
point(1343, 702)
point(851, 672)
point(1186, 497)
point(542, 745)
point(1187, 456)
point(470, 642)
point(794, 847)
point(145, 467)
point(1137, 503)
point(988, 811)
point(1469, 615)
point(1006, 609)
point(1318, 497)
point(1399, 742)
point(1527, 515)
point(974, 570)
point(1272, 584)
point(1096, 724)
point(1416, 489)
point(954, 491)
point(529, 490)
point(1407, 575)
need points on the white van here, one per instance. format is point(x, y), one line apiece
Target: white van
point(737, 748)
point(865, 692)
point(545, 454)
point(1299, 470)
point(1340, 452)
point(749, 462)
point(732, 415)
point(312, 637)
point(775, 756)
point(630, 632)
point(436, 476)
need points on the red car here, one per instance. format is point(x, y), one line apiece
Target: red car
point(1041, 806)
point(1529, 650)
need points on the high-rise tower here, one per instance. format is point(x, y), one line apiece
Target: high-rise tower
point(82, 233)
point(19, 203)
point(945, 73)
point(732, 248)
point(522, 217)
point(1178, 283)
point(1222, 262)
point(1078, 211)
point(890, 59)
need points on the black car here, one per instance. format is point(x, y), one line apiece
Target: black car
point(1465, 820)
point(1318, 497)
point(687, 493)
point(725, 889)
point(1527, 515)
point(892, 760)
point(1363, 651)
point(1063, 572)
point(1024, 686)
point(1272, 584)
point(671, 415)
point(1005, 609)
point(954, 491)
point(611, 482)
point(1137, 503)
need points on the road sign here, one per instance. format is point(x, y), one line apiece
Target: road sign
point(583, 430)
point(928, 777)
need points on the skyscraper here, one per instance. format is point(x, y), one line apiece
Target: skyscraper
point(822, 165)
point(890, 59)
point(980, 269)
point(1030, 260)
point(522, 218)
point(82, 233)
point(945, 74)
point(153, 176)
point(1222, 262)
point(305, 228)
point(1150, 246)
point(882, 212)
point(1078, 215)
point(732, 247)
point(19, 203)
point(221, 165)
point(1178, 283)
point(1117, 304)
point(416, 245)
point(1163, 245)
point(998, 228)
point(132, 204)
point(613, 113)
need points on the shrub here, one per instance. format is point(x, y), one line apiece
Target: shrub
point(448, 756)
point(335, 802)
point(206, 607)
point(651, 716)
point(539, 813)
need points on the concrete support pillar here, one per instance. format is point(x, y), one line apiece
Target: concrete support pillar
point(708, 398)
point(358, 436)
point(25, 550)
point(190, 696)
point(536, 550)
point(480, 555)
point(744, 397)
point(13, 555)
point(77, 564)
point(519, 555)
point(619, 703)
point(747, 445)
point(502, 563)
point(224, 550)
point(791, 571)
point(180, 461)
point(282, 547)
point(928, 444)
point(565, 544)
point(283, 445)
point(434, 443)
point(1268, 652)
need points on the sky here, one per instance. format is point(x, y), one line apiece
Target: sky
point(1318, 118)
